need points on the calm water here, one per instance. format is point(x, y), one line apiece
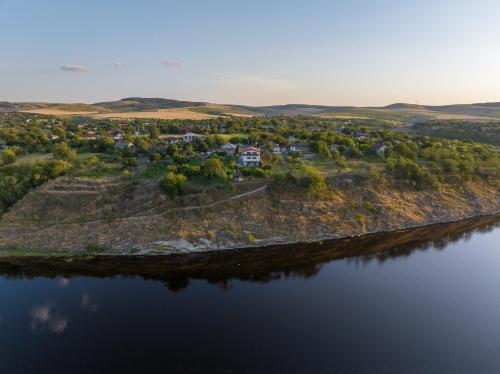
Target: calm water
point(425, 301)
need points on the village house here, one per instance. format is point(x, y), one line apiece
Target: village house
point(53, 137)
point(361, 135)
point(334, 147)
point(277, 150)
point(123, 145)
point(189, 137)
point(228, 148)
point(89, 135)
point(303, 148)
point(238, 177)
point(249, 156)
point(172, 140)
point(117, 136)
point(380, 148)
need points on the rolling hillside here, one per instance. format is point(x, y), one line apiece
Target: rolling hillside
point(136, 107)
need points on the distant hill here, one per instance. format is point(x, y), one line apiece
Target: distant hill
point(137, 107)
point(297, 110)
point(137, 104)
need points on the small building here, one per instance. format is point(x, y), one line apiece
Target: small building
point(172, 140)
point(380, 148)
point(249, 156)
point(361, 135)
point(189, 137)
point(277, 150)
point(53, 137)
point(303, 148)
point(124, 145)
point(238, 177)
point(228, 148)
point(117, 136)
point(89, 136)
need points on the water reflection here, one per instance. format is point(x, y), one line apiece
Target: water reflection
point(46, 317)
point(254, 265)
point(88, 304)
point(376, 311)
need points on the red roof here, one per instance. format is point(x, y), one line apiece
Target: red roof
point(246, 149)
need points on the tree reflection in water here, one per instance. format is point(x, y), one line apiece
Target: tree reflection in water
point(254, 265)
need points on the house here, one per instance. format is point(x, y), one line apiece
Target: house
point(189, 137)
point(123, 144)
point(380, 148)
point(302, 148)
point(249, 156)
point(117, 136)
point(238, 177)
point(228, 148)
point(89, 135)
point(171, 140)
point(277, 150)
point(334, 147)
point(53, 137)
point(361, 135)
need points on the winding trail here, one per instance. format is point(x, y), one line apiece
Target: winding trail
point(155, 215)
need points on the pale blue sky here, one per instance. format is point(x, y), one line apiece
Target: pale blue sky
point(251, 52)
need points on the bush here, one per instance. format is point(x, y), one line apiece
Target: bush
point(8, 157)
point(174, 184)
point(214, 168)
point(64, 152)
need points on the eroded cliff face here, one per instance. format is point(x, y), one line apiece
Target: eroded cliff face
point(121, 218)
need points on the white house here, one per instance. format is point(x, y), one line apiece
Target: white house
point(189, 137)
point(249, 156)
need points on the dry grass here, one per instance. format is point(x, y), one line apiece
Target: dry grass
point(59, 112)
point(177, 113)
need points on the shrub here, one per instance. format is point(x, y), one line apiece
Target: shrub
point(214, 168)
point(174, 184)
point(63, 151)
point(369, 206)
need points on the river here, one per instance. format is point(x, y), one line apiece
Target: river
point(417, 301)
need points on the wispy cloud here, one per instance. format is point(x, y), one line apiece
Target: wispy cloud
point(172, 63)
point(118, 65)
point(75, 68)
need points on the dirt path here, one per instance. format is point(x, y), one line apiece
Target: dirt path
point(154, 215)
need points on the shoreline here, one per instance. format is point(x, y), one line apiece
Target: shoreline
point(265, 243)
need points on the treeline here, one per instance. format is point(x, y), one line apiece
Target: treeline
point(482, 132)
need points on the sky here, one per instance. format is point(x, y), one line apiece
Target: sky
point(259, 52)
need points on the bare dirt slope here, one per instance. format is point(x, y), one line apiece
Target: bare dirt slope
point(123, 218)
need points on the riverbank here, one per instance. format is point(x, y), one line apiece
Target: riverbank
point(77, 219)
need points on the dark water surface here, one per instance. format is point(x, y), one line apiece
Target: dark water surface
point(418, 301)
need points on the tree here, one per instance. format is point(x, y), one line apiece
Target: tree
point(214, 168)
point(322, 148)
point(174, 184)
point(8, 157)
point(154, 134)
point(63, 151)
